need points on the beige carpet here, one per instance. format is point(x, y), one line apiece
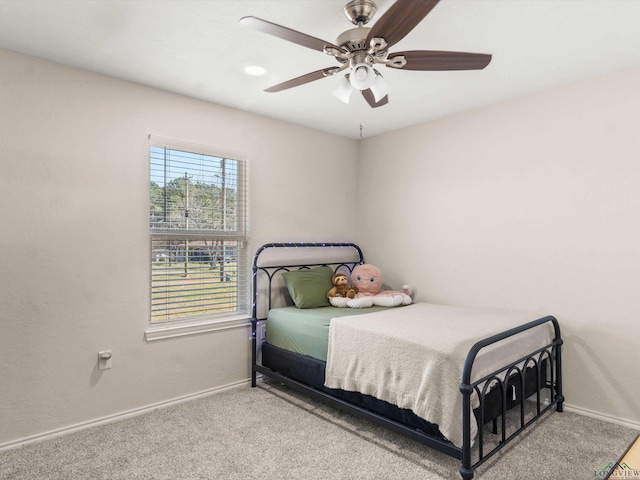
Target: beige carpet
point(271, 432)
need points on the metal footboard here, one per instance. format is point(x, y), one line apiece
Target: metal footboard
point(551, 354)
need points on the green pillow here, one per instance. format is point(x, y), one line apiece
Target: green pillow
point(309, 287)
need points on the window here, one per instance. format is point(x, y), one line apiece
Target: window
point(198, 224)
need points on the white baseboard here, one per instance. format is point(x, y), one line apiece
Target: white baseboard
point(601, 416)
point(117, 416)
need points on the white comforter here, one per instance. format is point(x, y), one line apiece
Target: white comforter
point(413, 356)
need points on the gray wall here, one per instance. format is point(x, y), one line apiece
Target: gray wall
point(529, 205)
point(74, 247)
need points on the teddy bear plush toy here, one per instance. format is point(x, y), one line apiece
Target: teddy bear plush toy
point(340, 287)
point(366, 280)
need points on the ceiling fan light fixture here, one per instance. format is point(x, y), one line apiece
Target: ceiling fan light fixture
point(362, 76)
point(380, 87)
point(343, 90)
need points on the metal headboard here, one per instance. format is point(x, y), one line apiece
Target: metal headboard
point(273, 259)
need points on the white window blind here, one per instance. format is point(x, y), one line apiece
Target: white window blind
point(198, 224)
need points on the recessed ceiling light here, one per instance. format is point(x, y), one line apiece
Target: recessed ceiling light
point(255, 70)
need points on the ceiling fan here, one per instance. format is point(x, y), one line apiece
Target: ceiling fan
point(360, 50)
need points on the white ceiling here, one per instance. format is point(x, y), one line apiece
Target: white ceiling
point(198, 48)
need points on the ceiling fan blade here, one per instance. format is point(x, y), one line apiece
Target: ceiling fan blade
point(437, 60)
point(400, 19)
point(371, 100)
point(295, 82)
point(287, 34)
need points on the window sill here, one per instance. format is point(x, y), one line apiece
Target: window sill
point(166, 331)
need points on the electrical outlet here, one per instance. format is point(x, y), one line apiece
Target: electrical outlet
point(104, 360)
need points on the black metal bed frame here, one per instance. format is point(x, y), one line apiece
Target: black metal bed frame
point(550, 353)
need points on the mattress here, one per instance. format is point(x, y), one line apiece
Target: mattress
point(427, 377)
point(425, 347)
point(306, 331)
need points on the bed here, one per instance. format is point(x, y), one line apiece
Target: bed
point(445, 376)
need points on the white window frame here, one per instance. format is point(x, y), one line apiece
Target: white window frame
point(220, 321)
